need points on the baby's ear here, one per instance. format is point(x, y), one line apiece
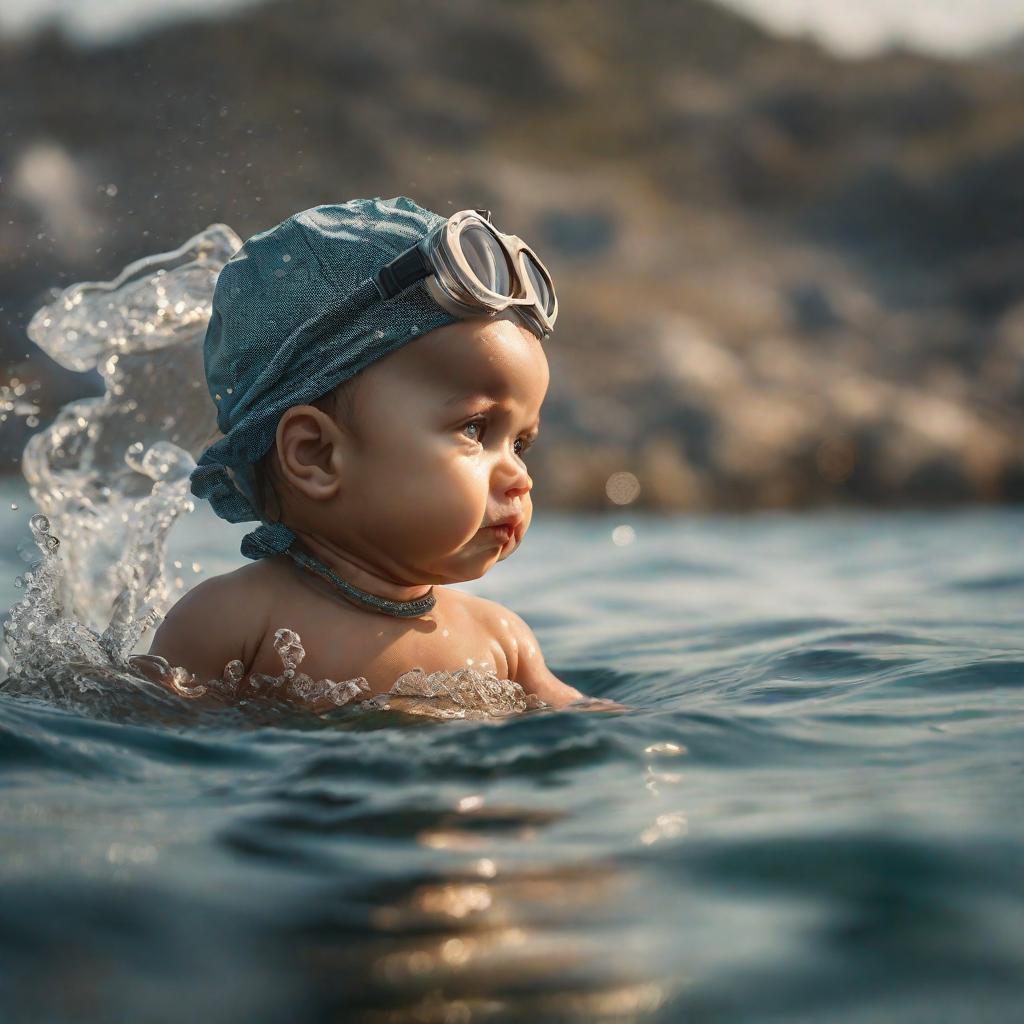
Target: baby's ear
point(309, 452)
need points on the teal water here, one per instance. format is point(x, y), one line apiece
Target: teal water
point(813, 810)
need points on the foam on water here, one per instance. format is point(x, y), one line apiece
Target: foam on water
point(110, 477)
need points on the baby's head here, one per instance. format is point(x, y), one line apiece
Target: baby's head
point(407, 457)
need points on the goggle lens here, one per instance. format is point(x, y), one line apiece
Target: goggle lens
point(487, 259)
point(545, 295)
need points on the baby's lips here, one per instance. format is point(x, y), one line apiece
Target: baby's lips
point(516, 522)
point(511, 529)
point(518, 529)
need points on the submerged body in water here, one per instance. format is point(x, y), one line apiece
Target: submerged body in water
point(56, 656)
point(461, 631)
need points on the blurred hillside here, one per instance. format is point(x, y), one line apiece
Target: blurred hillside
point(784, 279)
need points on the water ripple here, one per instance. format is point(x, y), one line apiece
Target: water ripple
point(811, 810)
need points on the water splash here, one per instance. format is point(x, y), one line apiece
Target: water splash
point(38, 632)
point(466, 693)
point(110, 474)
point(13, 401)
point(234, 687)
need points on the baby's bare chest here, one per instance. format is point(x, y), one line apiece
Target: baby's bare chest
point(342, 644)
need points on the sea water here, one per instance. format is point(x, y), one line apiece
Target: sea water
point(811, 810)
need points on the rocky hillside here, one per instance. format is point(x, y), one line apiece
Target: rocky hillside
point(785, 279)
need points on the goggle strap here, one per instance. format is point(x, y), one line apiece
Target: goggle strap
point(329, 321)
point(402, 272)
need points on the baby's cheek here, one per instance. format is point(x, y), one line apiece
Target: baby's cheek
point(460, 495)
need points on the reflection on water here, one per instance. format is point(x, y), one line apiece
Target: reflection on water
point(518, 942)
point(500, 934)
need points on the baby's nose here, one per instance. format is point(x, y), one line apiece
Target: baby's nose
point(517, 483)
point(521, 488)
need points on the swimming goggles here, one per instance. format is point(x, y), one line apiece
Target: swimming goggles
point(471, 269)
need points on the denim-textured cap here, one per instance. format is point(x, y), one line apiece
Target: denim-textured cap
point(262, 355)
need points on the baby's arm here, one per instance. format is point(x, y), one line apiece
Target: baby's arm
point(527, 668)
point(210, 626)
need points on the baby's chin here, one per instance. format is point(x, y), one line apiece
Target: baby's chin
point(471, 563)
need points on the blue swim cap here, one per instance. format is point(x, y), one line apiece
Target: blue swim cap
point(259, 361)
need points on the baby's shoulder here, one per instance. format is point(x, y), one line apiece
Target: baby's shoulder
point(239, 593)
point(219, 620)
point(521, 651)
point(479, 610)
point(498, 622)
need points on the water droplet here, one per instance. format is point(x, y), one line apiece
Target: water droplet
point(133, 455)
point(233, 672)
point(289, 649)
point(166, 461)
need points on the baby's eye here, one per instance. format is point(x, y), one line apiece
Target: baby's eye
point(476, 425)
point(475, 429)
point(522, 445)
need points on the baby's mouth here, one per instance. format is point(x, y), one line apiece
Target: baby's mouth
point(504, 531)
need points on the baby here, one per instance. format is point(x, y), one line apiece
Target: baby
point(379, 373)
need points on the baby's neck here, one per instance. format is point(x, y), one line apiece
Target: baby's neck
point(358, 572)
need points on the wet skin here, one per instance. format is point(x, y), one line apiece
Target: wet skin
point(403, 500)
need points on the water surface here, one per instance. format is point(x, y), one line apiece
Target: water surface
point(813, 811)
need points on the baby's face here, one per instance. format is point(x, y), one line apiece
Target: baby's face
point(442, 426)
